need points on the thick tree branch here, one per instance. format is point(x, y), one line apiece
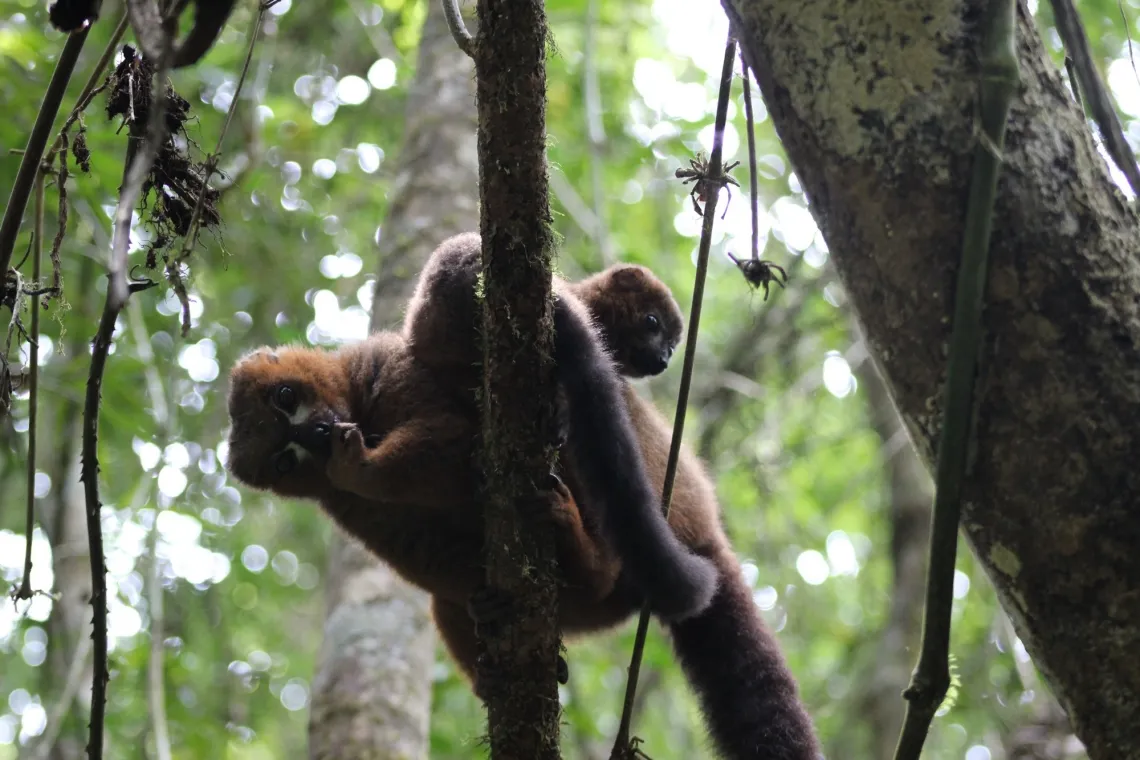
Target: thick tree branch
point(999, 82)
point(875, 108)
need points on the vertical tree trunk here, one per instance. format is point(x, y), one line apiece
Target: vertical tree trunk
point(372, 690)
point(518, 673)
point(64, 518)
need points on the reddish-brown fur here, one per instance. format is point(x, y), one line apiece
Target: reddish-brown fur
point(411, 499)
point(622, 299)
point(747, 693)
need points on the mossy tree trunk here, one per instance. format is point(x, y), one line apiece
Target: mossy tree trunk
point(517, 673)
point(875, 104)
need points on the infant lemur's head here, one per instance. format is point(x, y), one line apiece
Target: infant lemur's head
point(639, 318)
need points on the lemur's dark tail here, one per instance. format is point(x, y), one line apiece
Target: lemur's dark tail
point(676, 582)
point(747, 694)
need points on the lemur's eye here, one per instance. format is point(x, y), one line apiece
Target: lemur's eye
point(286, 398)
point(652, 323)
point(285, 462)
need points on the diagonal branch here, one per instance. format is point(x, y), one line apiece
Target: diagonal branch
point(37, 141)
point(1100, 103)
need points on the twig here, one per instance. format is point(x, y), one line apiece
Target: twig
point(1071, 70)
point(1077, 46)
point(622, 743)
point(458, 29)
point(25, 589)
point(998, 85)
point(61, 228)
point(92, 86)
point(37, 141)
point(752, 180)
point(138, 166)
point(595, 131)
point(211, 163)
point(757, 272)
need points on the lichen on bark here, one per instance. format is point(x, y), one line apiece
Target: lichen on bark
point(875, 104)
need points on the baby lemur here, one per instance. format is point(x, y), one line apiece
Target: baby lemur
point(603, 458)
point(748, 695)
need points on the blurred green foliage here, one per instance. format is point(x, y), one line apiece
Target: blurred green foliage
point(777, 412)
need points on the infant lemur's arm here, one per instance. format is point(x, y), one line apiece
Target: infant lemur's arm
point(606, 459)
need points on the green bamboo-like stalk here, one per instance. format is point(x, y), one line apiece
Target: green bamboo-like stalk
point(998, 85)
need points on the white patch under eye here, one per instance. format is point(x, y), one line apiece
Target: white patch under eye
point(298, 450)
point(300, 415)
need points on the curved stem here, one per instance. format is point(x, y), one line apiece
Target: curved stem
point(458, 29)
point(37, 141)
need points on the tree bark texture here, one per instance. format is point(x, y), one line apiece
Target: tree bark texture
point(372, 691)
point(517, 672)
point(875, 105)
